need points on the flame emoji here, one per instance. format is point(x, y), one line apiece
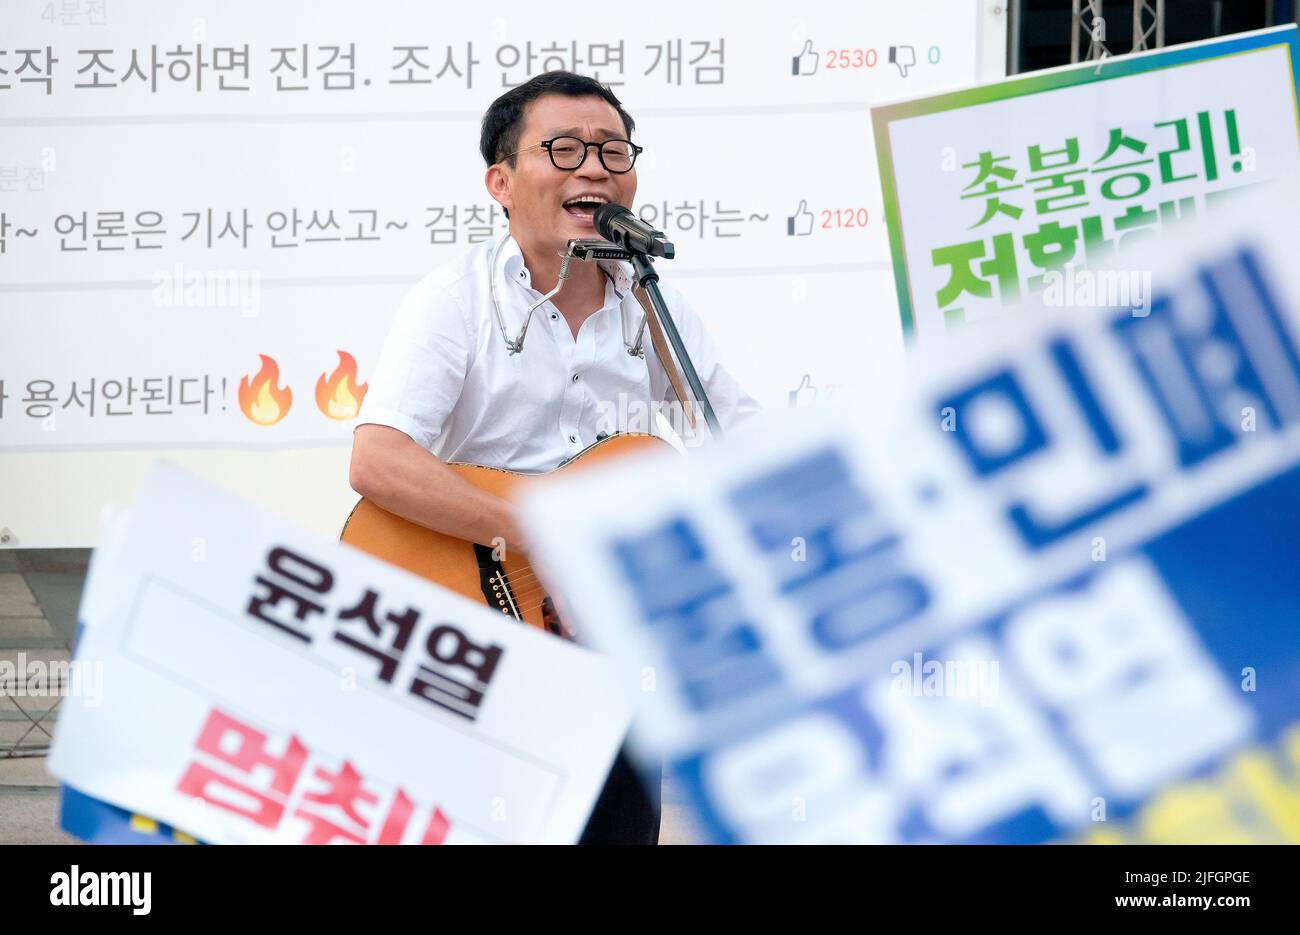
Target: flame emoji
point(261, 400)
point(339, 396)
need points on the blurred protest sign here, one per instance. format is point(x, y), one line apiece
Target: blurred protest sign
point(97, 822)
point(992, 192)
point(1047, 594)
point(264, 685)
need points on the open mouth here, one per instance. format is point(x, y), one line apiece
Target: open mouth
point(583, 207)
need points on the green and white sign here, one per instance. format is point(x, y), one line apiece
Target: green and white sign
point(1003, 190)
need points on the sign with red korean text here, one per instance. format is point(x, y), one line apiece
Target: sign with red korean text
point(262, 685)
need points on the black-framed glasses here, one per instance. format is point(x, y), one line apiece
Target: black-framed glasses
point(569, 152)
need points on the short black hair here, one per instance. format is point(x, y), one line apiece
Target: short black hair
point(504, 120)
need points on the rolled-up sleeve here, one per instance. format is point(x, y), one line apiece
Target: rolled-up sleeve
point(422, 365)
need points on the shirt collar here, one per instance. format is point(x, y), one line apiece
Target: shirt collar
point(619, 272)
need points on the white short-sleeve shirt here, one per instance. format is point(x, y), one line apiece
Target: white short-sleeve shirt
point(446, 378)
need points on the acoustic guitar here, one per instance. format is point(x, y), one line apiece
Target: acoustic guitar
point(506, 583)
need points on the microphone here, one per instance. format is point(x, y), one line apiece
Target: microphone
point(620, 226)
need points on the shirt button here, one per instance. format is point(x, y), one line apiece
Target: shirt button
point(575, 378)
point(554, 316)
point(573, 438)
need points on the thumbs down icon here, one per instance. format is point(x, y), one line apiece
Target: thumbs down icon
point(904, 56)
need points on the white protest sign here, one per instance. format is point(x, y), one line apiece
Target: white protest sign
point(1040, 591)
point(263, 685)
point(999, 191)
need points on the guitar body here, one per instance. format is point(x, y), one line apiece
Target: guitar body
point(509, 585)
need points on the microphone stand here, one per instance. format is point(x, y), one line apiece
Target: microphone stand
point(648, 279)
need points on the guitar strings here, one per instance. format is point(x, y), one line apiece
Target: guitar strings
point(522, 578)
point(528, 592)
point(525, 578)
point(526, 586)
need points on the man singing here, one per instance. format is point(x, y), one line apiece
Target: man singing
point(448, 388)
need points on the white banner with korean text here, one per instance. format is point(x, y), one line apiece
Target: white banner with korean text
point(209, 212)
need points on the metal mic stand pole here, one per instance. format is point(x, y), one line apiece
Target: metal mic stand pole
point(648, 280)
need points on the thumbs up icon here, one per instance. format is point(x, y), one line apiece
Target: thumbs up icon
point(805, 394)
point(800, 224)
point(805, 63)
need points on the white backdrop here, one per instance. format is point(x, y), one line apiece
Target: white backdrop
point(151, 260)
